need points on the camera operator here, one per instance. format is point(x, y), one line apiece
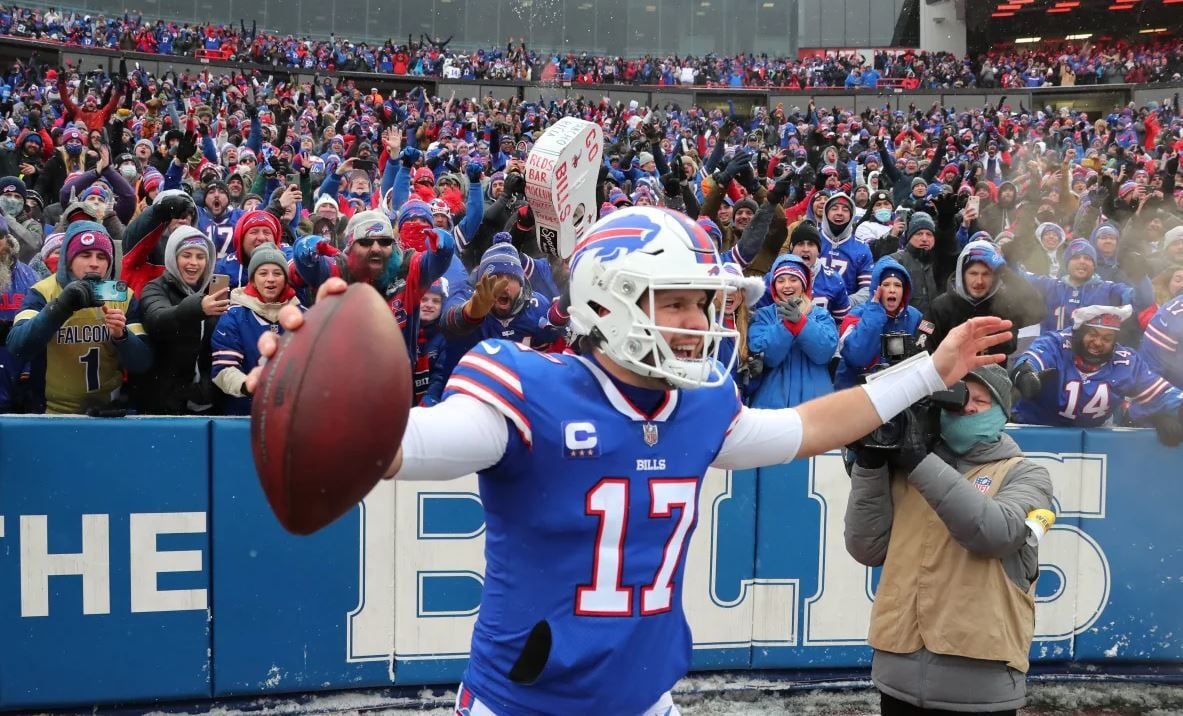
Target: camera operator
point(947, 515)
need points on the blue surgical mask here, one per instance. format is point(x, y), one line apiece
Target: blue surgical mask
point(962, 432)
point(883, 215)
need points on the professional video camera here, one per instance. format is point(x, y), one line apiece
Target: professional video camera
point(895, 348)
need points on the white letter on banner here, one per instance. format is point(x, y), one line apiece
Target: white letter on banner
point(370, 631)
point(1080, 482)
point(840, 612)
point(435, 634)
point(768, 618)
point(93, 563)
point(147, 561)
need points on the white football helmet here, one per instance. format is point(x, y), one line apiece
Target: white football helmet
point(636, 252)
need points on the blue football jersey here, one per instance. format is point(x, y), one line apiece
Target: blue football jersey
point(588, 515)
point(1161, 343)
point(220, 231)
point(1087, 400)
point(851, 260)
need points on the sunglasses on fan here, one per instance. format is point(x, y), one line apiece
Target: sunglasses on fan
point(367, 243)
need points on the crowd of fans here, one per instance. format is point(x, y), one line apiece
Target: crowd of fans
point(1149, 59)
point(154, 226)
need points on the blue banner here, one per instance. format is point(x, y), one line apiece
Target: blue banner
point(140, 558)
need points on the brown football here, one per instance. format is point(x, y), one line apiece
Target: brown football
point(330, 411)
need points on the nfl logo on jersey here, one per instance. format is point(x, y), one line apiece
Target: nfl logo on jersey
point(649, 431)
point(579, 439)
point(983, 484)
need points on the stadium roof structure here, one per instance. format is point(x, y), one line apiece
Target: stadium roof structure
point(1006, 22)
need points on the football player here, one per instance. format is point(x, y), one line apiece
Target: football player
point(590, 464)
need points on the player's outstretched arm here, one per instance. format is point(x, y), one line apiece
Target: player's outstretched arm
point(477, 435)
point(841, 418)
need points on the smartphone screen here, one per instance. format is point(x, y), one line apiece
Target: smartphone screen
point(110, 290)
point(293, 179)
point(974, 203)
point(366, 165)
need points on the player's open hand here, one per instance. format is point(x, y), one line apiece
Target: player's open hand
point(291, 318)
point(961, 351)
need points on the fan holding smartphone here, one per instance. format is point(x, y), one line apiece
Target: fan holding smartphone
point(81, 326)
point(181, 312)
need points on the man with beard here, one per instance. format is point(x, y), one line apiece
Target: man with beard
point(983, 286)
point(215, 218)
point(373, 255)
point(917, 258)
point(1080, 287)
point(996, 216)
point(1078, 377)
point(236, 190)
point(16, 278)
point(841, 253)
point(23, 227)
point(496, 302)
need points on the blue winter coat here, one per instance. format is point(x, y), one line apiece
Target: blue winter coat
point(796, 367)
point(11, 369)
point(235, 346)
point(863, 329)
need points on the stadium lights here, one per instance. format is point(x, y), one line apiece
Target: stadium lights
point(1151, 30)
point(1002, 14)
point(768, 5)
point(1027, 40)
point(1118, 8)
point(1010, 6)
point(1068, 4)
point(1081, 36)
point(1055, 10)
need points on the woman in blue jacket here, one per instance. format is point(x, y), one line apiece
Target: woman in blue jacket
point(796, 340)
point(887, 312)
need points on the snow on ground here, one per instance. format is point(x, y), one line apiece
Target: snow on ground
point(738, 695)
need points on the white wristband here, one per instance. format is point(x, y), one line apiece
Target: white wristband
point(891, 391)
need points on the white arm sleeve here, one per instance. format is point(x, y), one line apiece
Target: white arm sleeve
point(455, 438)
point(760, 437)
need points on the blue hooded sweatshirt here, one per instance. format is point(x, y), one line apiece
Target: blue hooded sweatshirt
point(862, 330)
point(796, 356)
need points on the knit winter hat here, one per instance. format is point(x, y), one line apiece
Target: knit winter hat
point(712, 230)
point(805, 232)
point(995, 380)
point(266, 254)
point(920, 220)
point(616, 197)
point(366, 225)
point(792, 268)
point(1127, 189)
point(746, 203)
point(500, 259)
point(8, 184)
point(1079, 247)
point(52, 243)
point(1107, 317)
point(87, 236)
point(414, 209)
